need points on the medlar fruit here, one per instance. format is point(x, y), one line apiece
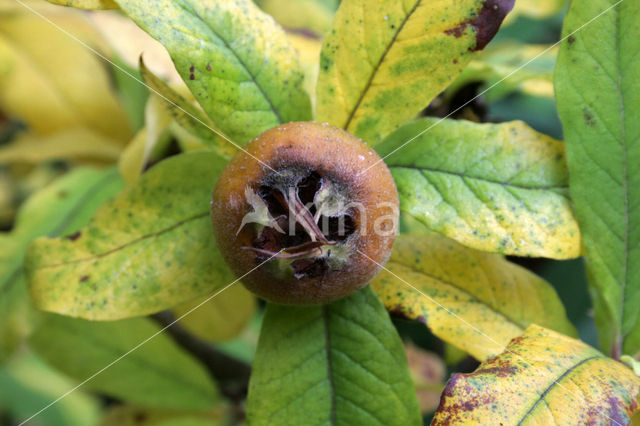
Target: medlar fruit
point(308, 213)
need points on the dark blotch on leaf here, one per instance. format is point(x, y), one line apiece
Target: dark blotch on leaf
point(84, 278)
point(571, 39)
point(588, 118)
point(486, 23)
point(74, 236)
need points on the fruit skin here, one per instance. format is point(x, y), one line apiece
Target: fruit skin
point(334, 154)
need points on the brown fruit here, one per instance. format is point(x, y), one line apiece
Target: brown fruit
point(324, 225)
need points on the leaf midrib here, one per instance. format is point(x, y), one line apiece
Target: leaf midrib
point(130, 243)
point(463, 176)
point(379, 64)
point(555, 383)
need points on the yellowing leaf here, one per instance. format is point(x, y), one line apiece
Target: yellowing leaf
point(148, 249)
point(313, 15)
point(53, 82)
point(428, 372)
point(542, 378)
point(87, 4)
point(79, 144)
point(235, 59)
point(493, 187)
point(308, 49)
point(474, 300)
point(384, 61)
point(222, 320)
point(180, 105)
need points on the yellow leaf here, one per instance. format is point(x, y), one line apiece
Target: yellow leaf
point(53, 82)
point(475, 300)
point(219, 320)
point(542, 378)
point(129, 41)
point(87, 4)
point(313, 15)
point(138, 153)
point(385, 61)
point(78, 144)
point(308, 49)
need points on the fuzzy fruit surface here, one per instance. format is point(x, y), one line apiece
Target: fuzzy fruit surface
point(322, 222)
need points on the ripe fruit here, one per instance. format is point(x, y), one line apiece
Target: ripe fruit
point(324, 223)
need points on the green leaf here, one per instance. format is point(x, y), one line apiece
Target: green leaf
point(156, 374)
point(188, 116)
point(506, 68)
point(476, 301)
point(493, 187)
point(58, 209)
point(87, 4)
point(235, 59)
point(27, 384)
point(148, 249)
point(127, 415)
point(341, 363)
point(385, 61)
point(599, 103)
point(542, 378)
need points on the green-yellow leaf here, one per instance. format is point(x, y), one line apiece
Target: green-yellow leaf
point(87, 4)
point(337, 364)
point(474, 300)
point(157, 374)
point(599, 103)
point(220, 319)
point(53, 82)
point(384, 61)
point(186, 115)
point(148, 249)
point(235, 59)
point(58, 209)
point(542, 378)
point(493, 187)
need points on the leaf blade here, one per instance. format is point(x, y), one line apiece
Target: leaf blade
point(476, 301)
point(598, 101)
point(148, 249)
point(545, 378)
point(247, 81)
point(349, 366)
point(504, 190)
point(385, 61)
point(157, 374)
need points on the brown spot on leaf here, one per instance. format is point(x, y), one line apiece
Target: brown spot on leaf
point(588, 118)
point(208, 66)
point(486, 23)
point(571, 39)
point(74, 236)
point(84, 278)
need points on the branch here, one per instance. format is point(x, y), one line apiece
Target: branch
point(231, 374)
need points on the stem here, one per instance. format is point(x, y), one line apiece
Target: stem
point(231, 375)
